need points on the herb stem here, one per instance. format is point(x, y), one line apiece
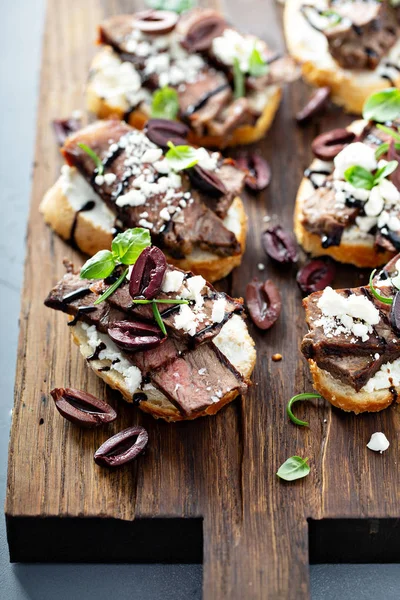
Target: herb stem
point(158, 317)
point(112, 288)
point(95, 158)
point(238, 79)
point(305, 396)
point(393, 134)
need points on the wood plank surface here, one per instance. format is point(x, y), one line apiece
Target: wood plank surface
point(221, 469)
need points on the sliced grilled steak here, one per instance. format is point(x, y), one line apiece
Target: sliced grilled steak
point(366, 32)
point(140, 196)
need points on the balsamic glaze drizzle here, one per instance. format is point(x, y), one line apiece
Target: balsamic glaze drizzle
point(75, 295)
point(310, 172)
point(96, 353)
point(89, 205)
point(81, 310)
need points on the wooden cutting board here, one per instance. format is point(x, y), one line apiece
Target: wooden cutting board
point(205, 488)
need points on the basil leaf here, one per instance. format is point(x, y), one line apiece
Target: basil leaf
point(296, 399)
point(293, 468)
point(383, 106)
point(95, 158)
point(177, 6)
point(359, 177)
point(181, 157)
point(165, 104)
point(238, 79)
point(100, 266)
point(257, 65)
point(385, 171)
point(158, 318)
point(112, 288)
point(127, 246)
point(377, 295)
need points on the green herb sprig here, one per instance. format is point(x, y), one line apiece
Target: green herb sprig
point(362, 178)
point(297, 398)
point(383, 106)
point(181, 157)
point(394, 134)
point(95, 157)
point(334, 17)
point(375, 293)
point(177, 6)
point(165, 104)
point(125, 250)
point(257, 65)
point(238, 80)
point(294, 468)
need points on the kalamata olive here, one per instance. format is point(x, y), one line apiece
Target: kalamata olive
point(316, 275)
point(162, 131)
point(147, 273)
point(201, 28)
point(206, 181)
point(64, 127)
point(259, 172)
point(157, 22)
point(280, 244)
point(317, 102)
point(328, 145)
point(135, 335)
point(82, 408)
point(264, 303)
point(122, 447)
point(395, 313)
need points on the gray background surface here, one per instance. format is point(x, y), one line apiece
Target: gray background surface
point(20, 49)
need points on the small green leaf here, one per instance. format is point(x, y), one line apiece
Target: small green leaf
point(181, 157)
point(177, 6)
point(296, 398)
point(385, 171)
point(377, 295)
point(257, 65)
point(127, 246)
point(158, 318)
point(293, 468)
point(112, 288)
point(394, 134)
point(383, 106)
point(95, 158)
point(238, 79)
point(165, 104)
point(100, 266)
point(359, 177)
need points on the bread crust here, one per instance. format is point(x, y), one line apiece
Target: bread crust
point(90, 237)
point(350, 88)
point(345, 397)
point(158, 405)
point(245, 134)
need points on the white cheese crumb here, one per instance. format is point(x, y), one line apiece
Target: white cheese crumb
point(354, 154)
point(194, 287)
point(218, 310)
point(261, 266)
point(172, 281)
point(202, 371)
point(186, 320)
point(131, 198)
point(99, 180)
point(152, 155)
point(109, 178)
point(378, 442)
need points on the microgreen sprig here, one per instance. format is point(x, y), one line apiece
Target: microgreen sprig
point(125, 249)
point(257, 65)
point(383, 106)
point(95, 157)
point(165, 104)
point(158, 317)
point(377, 295)
point(297, 398)
point(181, 157)
point(293, 468)
point(238, 79)
point(177, 6)
point(359, 177)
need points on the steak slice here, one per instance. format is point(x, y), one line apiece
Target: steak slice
point(364, 35)
point(199, 379)
point(188, 222)
point(352, 370)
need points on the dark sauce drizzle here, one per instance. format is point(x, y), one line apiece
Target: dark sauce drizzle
point(76, 295)
point(81, 310)
point(89, 205)
point(139, 397)
point(99, 348)
point(310, 172)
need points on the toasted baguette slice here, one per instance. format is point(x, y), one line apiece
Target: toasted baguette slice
point(118, 106)
point(345, 397)
point(350, 88)
point(93, 229)
point(233, 341)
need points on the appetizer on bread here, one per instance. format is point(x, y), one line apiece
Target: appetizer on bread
point(351, 46)
point(226, 86)
point(349, 207)
point(353, 343)
point(117, 177)
point(163, 337)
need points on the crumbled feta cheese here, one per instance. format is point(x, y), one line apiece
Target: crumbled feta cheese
point(99, 180)
point(165, 214)
point(261, 266)
point(378, 442)
point(172, 281)
point(145, 223)
point(375, 203)
point(152, 155)
point(131, 198)
point(218, 310)
point(233, 45)
point(194, 287)
point(206, 160)
point(186, 320)
point(109, 178)
point(354, 154)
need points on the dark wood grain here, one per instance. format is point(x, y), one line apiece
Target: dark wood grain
point(221, 469)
